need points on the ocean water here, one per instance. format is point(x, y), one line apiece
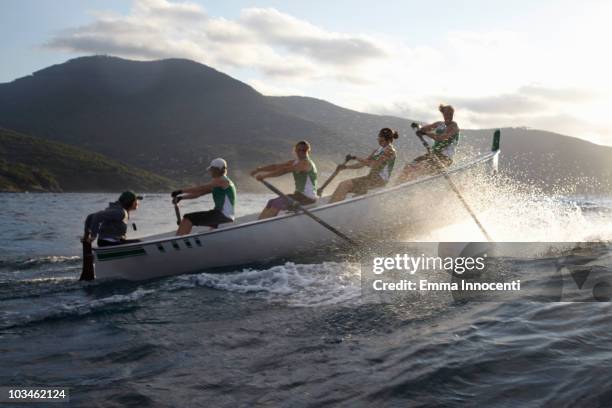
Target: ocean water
point(296, 334)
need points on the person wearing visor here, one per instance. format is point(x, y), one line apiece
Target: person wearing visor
point(110, 225)
point(304, 174)
point(445, 135)
point(380, 162)
point(224, 197)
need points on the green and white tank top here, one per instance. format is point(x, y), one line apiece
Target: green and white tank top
point(386, 167)
point(306, 182)
point(225, 198)
point(446, 147)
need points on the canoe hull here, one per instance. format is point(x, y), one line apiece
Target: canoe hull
point(408, 208)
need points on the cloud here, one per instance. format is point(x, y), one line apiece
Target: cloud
point(277, 44)
point(165, 10)
point(494, 78)
point(304, 38)
point(531, 103)
point(559, 94)
point(128, 39)
point(510, 104)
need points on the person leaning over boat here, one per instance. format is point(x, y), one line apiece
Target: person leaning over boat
point(446, 135)
point(380, 162)
point(304, 175)
point(110, 225)
point(224, 196)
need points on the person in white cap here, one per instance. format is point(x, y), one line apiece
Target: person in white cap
point(224, 196)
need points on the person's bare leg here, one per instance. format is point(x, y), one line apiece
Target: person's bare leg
point(411, 172)
point(407, 173)
point(185, 227)
point(268, 213)
point(341, 191)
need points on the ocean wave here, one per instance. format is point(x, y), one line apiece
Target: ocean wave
point(37, 287)
point(75, 308)
point(22, 263)
point(301, 285)
point(297, 285)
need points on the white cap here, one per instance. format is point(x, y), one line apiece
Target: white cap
point(218, 163)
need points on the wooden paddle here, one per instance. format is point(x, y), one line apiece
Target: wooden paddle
point(297, 205)
point(334, 174)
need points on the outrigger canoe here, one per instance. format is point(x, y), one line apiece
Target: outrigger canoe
point(378, 215)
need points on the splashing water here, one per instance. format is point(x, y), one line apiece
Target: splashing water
point(516, 212)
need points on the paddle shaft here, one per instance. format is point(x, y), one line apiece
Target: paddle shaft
point(333, 175)
point(308, 213)
point(454, 187)
point(177, 212)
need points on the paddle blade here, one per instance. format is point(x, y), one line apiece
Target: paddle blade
point(496, 140)
point(87, 273)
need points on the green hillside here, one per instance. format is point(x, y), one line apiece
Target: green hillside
point(31, 164)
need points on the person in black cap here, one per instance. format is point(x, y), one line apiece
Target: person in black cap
point(110, 225)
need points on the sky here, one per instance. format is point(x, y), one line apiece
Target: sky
point(540, 64)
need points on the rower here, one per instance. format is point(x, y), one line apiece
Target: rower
point(304, 175)
point(110, 224)
point(446, 137)
point(224, 196)
point(380, 162)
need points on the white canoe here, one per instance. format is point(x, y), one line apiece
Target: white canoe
point(411, 206)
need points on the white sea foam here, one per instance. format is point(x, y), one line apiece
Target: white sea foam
point(52, 259)
point(292, 284)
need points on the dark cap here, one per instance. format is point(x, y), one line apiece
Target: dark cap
point(127, 198)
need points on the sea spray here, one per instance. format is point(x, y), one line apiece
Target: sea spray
point(515, 212)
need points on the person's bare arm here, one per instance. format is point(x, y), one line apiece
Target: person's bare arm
point(361, 162)
point(355, 166)
point(197, 191)
point(270, 168)
point(430, 127)
point(277, 171)
point(450, 131)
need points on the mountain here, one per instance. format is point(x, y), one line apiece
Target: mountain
point(32, 164)
point(171, 117)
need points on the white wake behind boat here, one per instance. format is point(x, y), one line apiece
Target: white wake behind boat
point(247, 241)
